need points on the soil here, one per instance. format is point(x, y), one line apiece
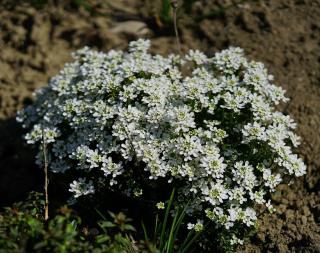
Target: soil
point(37, 37)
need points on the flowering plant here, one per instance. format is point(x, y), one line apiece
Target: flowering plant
point(123, 120)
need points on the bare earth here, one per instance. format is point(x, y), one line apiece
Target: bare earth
point(35, 42)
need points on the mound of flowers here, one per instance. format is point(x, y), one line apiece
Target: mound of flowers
point(123, 120)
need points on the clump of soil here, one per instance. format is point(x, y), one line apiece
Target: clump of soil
point(36, 40)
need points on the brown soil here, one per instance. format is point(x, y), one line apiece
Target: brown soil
point(35, 42)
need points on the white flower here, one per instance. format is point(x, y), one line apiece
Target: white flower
point(140, 45)
point(111, 168)
point(213, 165)
point(253, 132)
point(270, 207)
point(258, 196)
point(196, 56)
point(249, 216)
point(232, 102)
point(181, 118)
point(236, 241)
point(295, 165)
point(244, 175)
point(49, 134)
point(295, 139)
point(237, 194)
point(81, 188)
point(198, 226)
point(215, 193)
point(94, 158)
point(160, 205)
point(271, 180)
point(190, 226)
point(229, 60)
point(188, 146)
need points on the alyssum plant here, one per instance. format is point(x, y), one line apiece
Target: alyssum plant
point(126, 121)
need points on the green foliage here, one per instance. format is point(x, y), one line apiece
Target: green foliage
point(165, 13)
point(166, 232)
point(20, 222)
point(24, 230)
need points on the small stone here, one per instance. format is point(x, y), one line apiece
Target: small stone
point(304, 220)
point(134, 28)
point(289, 214)
point(282, 208)
point(306, 211)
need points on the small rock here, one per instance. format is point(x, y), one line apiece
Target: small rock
point(135, 28)
point(289, 214)
point(304, 220)
point(282, 208)
point(306, 211)
point(282, 248)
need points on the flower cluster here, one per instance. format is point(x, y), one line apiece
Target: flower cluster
point(119, 118)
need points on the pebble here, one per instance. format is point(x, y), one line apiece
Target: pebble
point(134, 28)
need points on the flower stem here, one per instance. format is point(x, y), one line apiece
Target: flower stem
point(174, 5)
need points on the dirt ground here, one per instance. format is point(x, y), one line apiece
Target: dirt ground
point(37, 39)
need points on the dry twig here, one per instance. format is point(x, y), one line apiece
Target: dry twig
point(46, 181)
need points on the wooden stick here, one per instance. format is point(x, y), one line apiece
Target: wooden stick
point(46, 181)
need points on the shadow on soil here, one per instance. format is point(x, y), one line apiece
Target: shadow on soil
point(18, 171)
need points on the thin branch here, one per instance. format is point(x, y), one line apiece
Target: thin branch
point(174, 5)
point(46, 181)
